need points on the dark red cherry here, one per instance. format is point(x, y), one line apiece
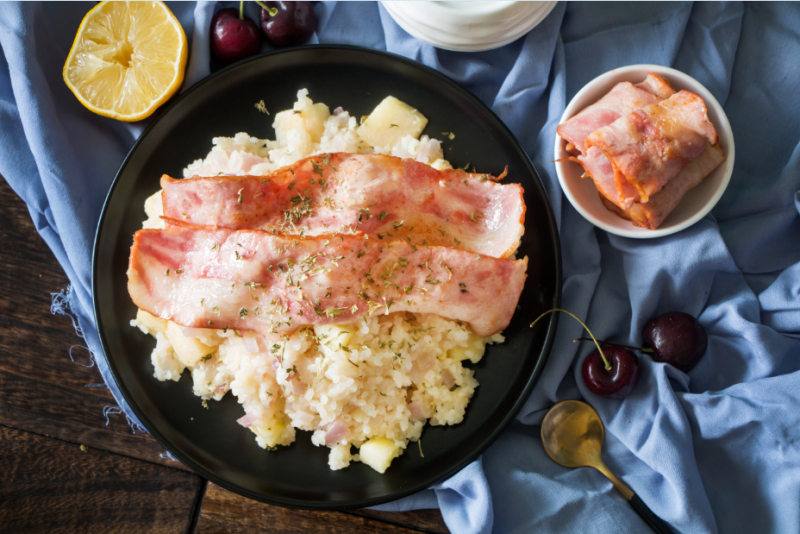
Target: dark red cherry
point(233, 38)
point(290, 24)
point(676, 338)
point(619, 381)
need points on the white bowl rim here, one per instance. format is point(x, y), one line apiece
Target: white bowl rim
point(626, 228)
point(457, 42)
point(492, 12)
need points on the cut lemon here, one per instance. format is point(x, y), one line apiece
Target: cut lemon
point(128, 58)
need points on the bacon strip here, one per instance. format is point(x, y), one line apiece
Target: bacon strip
point(623, 98)
point(651, 214)
point(252, 280)
point(651, 145)
point(597, 165)
point(378, 195)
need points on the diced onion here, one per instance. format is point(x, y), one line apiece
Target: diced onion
point(336, 433)
point(247, 420)
point(251, 344)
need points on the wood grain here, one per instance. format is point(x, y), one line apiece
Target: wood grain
point(423, 520)
point(41, 389)
point(226, 512)
point(52, 486)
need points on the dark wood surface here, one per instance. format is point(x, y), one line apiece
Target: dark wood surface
point(67, 467)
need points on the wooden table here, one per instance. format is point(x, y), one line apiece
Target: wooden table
point(66, 467)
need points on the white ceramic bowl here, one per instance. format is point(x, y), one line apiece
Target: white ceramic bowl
point(696, 203)
point(468, 26)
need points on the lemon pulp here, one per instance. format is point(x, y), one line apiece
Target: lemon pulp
point(128, 58)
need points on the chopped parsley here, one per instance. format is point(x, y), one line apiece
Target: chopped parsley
point(333, 313)
point(260, 106)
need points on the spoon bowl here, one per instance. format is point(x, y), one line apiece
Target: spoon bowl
point(572, 435)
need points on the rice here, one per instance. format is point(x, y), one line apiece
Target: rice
point(375, 381)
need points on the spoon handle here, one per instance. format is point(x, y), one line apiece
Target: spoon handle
point(655, 522)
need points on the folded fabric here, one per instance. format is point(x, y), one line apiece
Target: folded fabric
point(716, 449)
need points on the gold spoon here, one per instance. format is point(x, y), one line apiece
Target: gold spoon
point(572, 435)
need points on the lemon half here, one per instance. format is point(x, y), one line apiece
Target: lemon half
point(128, 58)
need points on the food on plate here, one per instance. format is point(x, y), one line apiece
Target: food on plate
point(308, 128)
point(382, 196)
point(390, 121)
point(676, 338)
point(357, 333)
point(127, 59)
point(234, 36)
point(287, 23)
point(612, 372)
point(251, 280)
point(644, 146)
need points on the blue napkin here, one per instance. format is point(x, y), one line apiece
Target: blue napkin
point(713, 450)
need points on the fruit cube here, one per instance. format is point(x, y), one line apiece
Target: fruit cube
point(378, 453)
point(310, 119)
point(189, 350)
point(270, 432)
point(476, 344)
point(151, 323)
point(390, 121)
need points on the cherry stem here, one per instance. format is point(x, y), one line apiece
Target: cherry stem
point(271, 10)
point(606, 363)
point(241, 10)
point(643, 349)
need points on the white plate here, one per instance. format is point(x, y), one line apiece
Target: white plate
point(695, 204)
point(468, 26)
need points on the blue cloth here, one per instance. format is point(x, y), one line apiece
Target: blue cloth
point(713, 450)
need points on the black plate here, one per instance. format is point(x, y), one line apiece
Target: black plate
point(210, 441)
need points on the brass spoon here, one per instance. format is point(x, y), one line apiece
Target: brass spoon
point(572, 435)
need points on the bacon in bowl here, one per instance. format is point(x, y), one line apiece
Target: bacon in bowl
point(644, 146)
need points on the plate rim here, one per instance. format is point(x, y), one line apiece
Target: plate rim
point(485, 441)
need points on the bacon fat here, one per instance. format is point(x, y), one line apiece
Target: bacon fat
point(623, 98)
point(651, 145)
point(253, 280)
point(373, 194)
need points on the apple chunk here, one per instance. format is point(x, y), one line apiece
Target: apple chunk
point(149, 323)
point(188, 349)
point(378, 453)
point(390, 121)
